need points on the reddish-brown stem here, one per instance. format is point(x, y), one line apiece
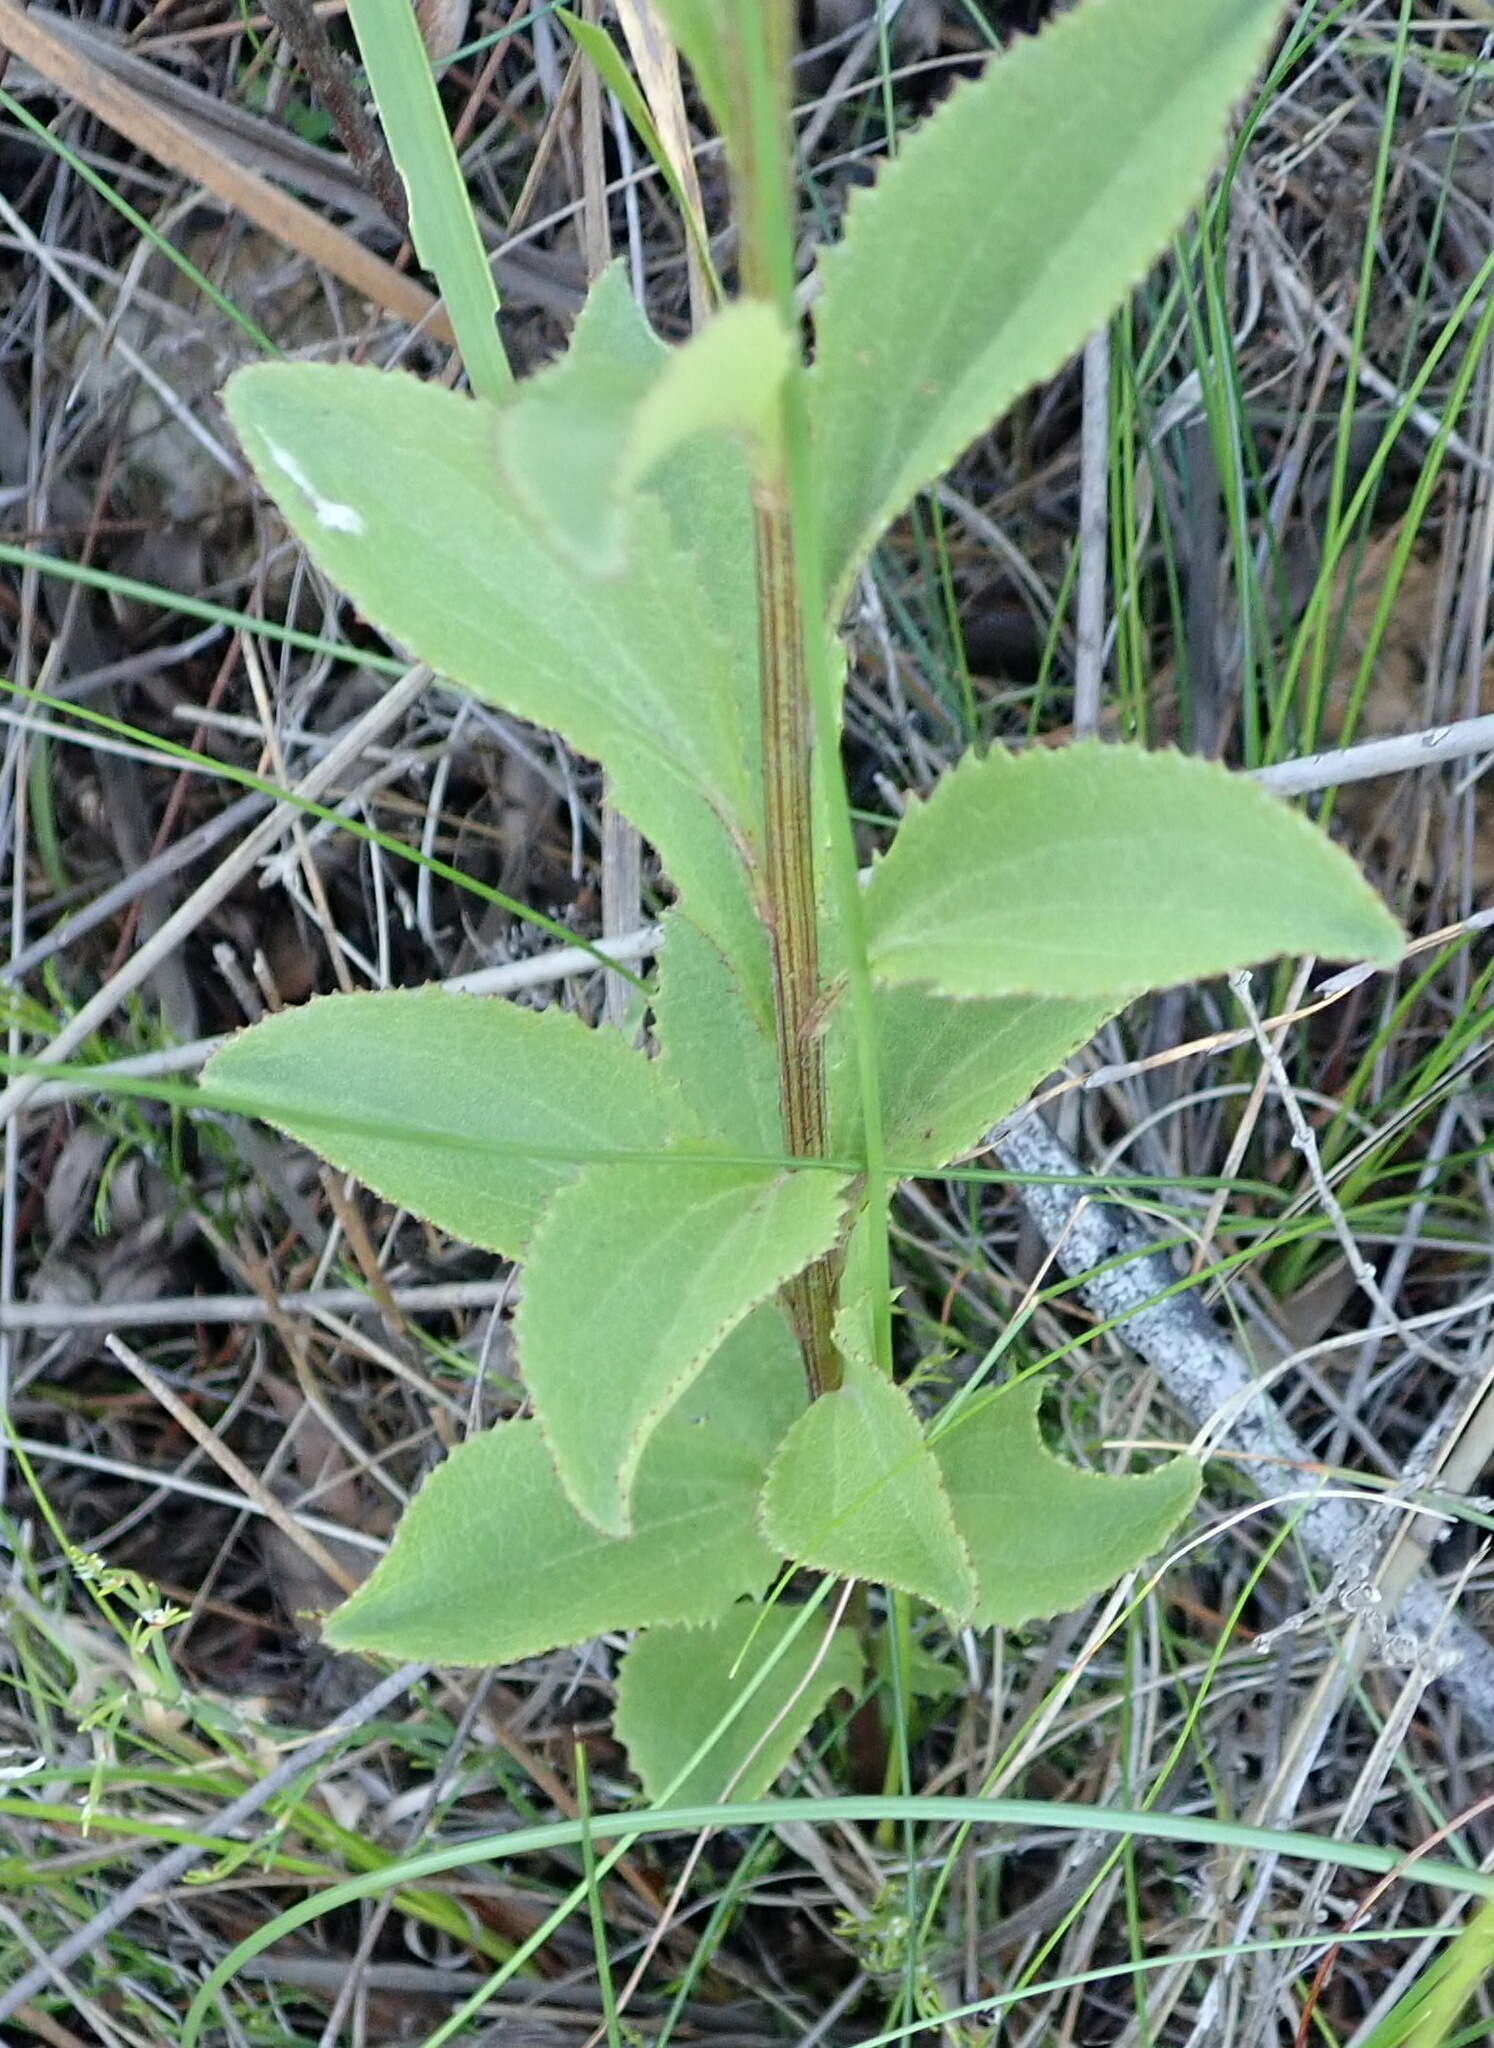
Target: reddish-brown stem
point(790, 908)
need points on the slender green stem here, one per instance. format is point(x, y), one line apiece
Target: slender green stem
point(594, 1908)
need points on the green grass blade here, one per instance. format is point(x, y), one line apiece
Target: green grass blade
point(1427, 2014)
point(164, 246)
point(443, 226)
point(1060, 1815)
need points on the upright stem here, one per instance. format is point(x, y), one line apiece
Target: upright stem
point(800, 736)
point(763, 196)
point(788, 732)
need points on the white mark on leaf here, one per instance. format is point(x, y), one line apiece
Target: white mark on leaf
point(335, 517)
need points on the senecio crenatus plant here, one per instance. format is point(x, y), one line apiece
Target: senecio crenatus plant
point(648, 550)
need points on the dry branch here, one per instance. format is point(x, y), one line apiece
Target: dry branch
point(1206, 1375)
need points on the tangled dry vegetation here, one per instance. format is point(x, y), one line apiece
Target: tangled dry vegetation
point(226, 1371)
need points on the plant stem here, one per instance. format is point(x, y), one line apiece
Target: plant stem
point(763, 205)
point(787, 728)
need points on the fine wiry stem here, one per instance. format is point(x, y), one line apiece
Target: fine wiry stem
point(1094, 534)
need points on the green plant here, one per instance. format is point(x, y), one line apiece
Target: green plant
point(647, 549)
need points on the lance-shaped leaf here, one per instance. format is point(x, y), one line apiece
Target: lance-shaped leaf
point(1095, 871)
point(468, 1112)
point(580, 438)
point(636, 1275)
point(394, 487)
point(1042, 1535)
point(491, 1562)
point(678, 1687)
point(1057, 176)
point(701, 481)
point(952, 1069)
point(855, 1490)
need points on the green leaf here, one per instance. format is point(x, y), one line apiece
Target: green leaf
point(491, 1562)
point(611, 327)
point(951, 1069)
point(704, 489)
point(714, 1047)
point(703, 486)
point(580, 438)
point(1044, 1536)
point(1056, 177)
point(636, 1275)
point(729, 376)
point(1095, 871)
point(395, 489)
point(855, 1490)
point(677, 1687)
point(469, 1112)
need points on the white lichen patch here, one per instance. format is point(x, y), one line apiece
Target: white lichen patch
point(336, 517)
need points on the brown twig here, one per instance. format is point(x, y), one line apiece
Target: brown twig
point(330, 77)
